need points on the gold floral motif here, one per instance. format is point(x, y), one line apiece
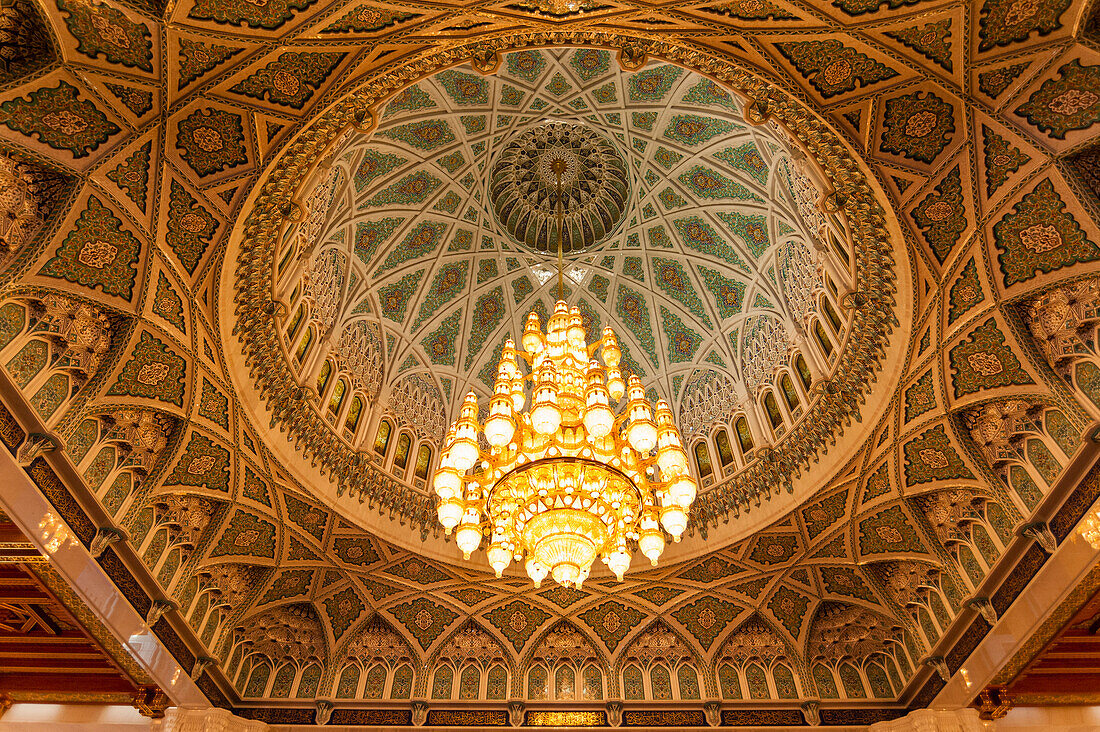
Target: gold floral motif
point(985, 364)
point(707, 618)
point(1021, 10)
point(1041, 238)
point(97, 254)
point(1072, 101)
point(920, 124)
point(933, 458)
point(246, 538)
point(110, 32)
point(193, 223)
point(65, 122)
point(285, 82)
point(153, 373)
point(939, 211)
point(889, 534)
point(837, 71)
point(208, 139)
point(201, 465)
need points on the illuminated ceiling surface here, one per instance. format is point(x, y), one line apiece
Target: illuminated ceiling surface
point(273, 245)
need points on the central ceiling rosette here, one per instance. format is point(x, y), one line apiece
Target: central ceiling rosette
point(594, 187)
point(693, 229)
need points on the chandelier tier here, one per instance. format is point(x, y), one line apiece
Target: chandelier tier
point(567, 480)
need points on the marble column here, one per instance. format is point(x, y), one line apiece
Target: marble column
point(933, 720)
point(205, 720)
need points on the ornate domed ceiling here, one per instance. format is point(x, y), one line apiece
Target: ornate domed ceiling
point(692, 232)
point(178, 181)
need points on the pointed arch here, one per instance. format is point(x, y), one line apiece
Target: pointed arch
point(565, 644)
point(654, 640)
point(473, 641)
point(285, 633)
point(553, 641)
point(659, 646)
point(758, 642)
point(473, 635)
point(377, 639)
point(383, 657)
point(844, 636)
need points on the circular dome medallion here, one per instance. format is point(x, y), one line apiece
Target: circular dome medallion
point(594, 187)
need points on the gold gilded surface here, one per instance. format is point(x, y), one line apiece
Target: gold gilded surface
point(565, 719)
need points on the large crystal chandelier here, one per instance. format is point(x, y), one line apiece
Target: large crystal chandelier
point(570, 472)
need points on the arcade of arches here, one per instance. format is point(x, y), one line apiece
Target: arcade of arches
point(254, 254)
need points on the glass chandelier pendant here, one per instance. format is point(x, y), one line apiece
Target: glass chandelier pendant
point(570, 473)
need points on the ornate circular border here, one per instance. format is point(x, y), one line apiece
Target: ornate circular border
point(510, 160)
point(285, 183)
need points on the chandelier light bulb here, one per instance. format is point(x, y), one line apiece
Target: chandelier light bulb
point(499, 557)
point(536, 572)
point(450, 513)
point(598, 417)
point(652, 544)
point(518, 396)
point(545, 415)
point(568, 575)
point(447, 483)
point(576, 328)
point(616, 387)
point(642, 432)
point(508, 359)
point(468, 538)
point(682, 491)
point(499, 425)
point(674, 521)
point(671, 457)
point(533, 341)
point(611, 351)
point(464, 450)
point(672, 460)
point(618, 562)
